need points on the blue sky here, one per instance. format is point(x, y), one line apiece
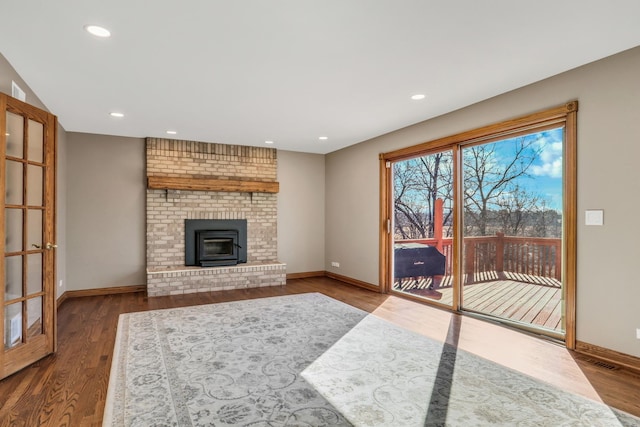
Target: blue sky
point(545, 174)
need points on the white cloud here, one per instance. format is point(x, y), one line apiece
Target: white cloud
point(551, 161)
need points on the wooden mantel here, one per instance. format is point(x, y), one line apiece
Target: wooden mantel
point(208, 184)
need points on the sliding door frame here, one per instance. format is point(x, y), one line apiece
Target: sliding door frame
point(564, 115)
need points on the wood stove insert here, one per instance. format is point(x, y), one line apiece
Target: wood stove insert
point(212, 243)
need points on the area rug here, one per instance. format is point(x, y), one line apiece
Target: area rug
point(309, 360)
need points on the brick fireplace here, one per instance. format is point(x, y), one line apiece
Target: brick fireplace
point(190, 180)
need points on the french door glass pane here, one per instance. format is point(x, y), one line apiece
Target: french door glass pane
point(34, 317)
point(34, 273)
point(15, 135)
point(423, 227)
point(36, 142)
point(512, 233)
point(12, 277)
point(13, 190)
point(13, 325)
point(34, 191)
point(34, 229)
point(13, 230)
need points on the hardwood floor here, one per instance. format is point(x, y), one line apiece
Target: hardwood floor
point(69, 388)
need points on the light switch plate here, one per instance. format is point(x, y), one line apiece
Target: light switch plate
point(594, 217)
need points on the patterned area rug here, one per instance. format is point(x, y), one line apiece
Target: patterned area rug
point(309, 360)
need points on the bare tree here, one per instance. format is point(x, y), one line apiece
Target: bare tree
point(494, 198)
point(408, 217)
point(513, 209)
point(418, 183)
point(488, 179)
point(547, 222)
point(436, 177)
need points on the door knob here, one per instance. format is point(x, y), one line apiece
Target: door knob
point(50, 246)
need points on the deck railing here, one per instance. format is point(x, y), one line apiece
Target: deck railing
point(526, 256)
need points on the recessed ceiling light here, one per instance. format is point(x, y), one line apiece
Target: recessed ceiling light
point(97, 31)
point(417, 97)
point(172, 132)
point(114, 114)
point(323, 138)
point(268, 142)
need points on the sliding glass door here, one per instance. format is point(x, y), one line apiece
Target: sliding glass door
point(484, 222)
point(512, 229)
point(423, 226)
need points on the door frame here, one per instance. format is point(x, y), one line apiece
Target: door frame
point(563, 115)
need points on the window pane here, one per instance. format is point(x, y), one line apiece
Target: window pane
point(13, 230)
point(36, 139)
point(13, 189)
point(15, 134)
point(13, 277)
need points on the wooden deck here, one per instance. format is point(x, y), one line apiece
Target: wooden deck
point(534, 301)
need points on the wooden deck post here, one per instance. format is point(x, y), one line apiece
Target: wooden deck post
point(470, 255)
point(500, 252)
point(437, 223)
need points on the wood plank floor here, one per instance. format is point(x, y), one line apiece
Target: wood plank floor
point(526, 302)
point(69, 388)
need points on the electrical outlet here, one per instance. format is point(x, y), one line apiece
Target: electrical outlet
point(638, 333)
point(60, 283)
point(335, 264)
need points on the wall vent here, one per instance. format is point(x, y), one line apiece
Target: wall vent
point(18, 93)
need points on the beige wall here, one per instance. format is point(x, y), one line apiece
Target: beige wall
point(301, 223)
point(608, 178)
point(7, 75)
point(106, 203)
point(105, 211)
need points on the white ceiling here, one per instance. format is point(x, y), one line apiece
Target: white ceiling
point(246, 71)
